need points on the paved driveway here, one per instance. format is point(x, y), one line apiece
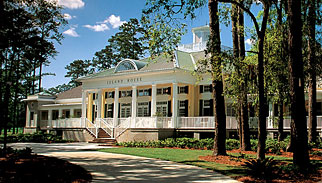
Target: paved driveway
point(109, 167)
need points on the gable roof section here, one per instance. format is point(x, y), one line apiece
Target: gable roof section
point(158, 63)
point(73, 93)
point(183, 60)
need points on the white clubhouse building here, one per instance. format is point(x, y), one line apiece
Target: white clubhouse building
point(146, 99)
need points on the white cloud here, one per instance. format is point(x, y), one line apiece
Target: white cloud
point(71, 4)
point(98, 28)
point(71, 32)
point(250, 41)
point(68, 16)
point(115, 21)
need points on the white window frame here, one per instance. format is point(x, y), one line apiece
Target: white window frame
point(230, 110)
point(143, 109)
point(143, 92)
point(204, 104)
point(126, 93)
point(110, 95)
point(181, 106)
point(206, 88)
point(162, 108)
point(162, 91)
point(182, 90)
point(125, 110)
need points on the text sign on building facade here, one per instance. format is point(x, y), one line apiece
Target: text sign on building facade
point(124, 81)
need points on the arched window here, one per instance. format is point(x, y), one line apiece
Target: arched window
point(128, 65)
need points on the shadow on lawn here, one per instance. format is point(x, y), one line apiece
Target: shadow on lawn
point(35, 168)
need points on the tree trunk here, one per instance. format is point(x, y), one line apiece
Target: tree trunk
point(312, 73)
point(245, 145)
point(298, 121)
point(6, 116)
point(33, 80)
point(261, 92)
point(280, 122)
point(235, 37)
point(219, 102)
point(39, 81)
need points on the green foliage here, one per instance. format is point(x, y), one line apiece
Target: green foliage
point(272, 145)
point(77, 69)
point(17, 152)
point(162, 20)
point(28, 33)
point(261, 168)
point(60, 88)
point(253, 144)
point(317, 144)
point(232, 144)
point(190, 143)
point(128, 43)
point(35, 137)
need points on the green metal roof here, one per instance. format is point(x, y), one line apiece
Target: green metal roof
point(184, 60)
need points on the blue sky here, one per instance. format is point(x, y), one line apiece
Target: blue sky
point(93, 22)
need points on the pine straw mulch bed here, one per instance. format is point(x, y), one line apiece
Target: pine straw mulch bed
point(36, 168)
point(280, 176)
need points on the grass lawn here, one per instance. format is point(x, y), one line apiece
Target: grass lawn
point(191, 157)
point(186, 156)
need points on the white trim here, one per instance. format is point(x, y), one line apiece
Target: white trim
point(126, 60)
point(176, 63)
point(68, 100)
point(193, 61)
point(54, 105)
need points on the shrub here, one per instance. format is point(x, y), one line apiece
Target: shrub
point(253, 143)
point(35, 137)
point(232, 144)
point(261, 168)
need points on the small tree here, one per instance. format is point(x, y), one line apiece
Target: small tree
point(77, 69)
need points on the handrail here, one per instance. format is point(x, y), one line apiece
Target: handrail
point(122, 126)
point(106, 127)
point(91, 127)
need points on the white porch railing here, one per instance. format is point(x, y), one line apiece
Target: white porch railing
point(145, 122)
point(33, 123)
point(231, 122)
point(196, 122)
point(164, 122)
point(193, 47)
point(109, 121)
point(122, 125)
point(91, 127)
point(106, 125)
point(62, 123)
point(319, 122)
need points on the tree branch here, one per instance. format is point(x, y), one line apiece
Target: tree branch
point(246, 10)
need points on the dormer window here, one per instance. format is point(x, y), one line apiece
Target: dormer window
point(129, 65)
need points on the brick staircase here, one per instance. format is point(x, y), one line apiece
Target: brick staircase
point(103, 139)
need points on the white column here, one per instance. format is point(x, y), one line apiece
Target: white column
point(50, 114)
point(174, 104)
point(134, 99)
point(28, 124)
point(116, 106)
point(60, 113)
point(270, 115)
point(99, 104)
point(71, 115)
point(154, 100)
point(84, 106)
